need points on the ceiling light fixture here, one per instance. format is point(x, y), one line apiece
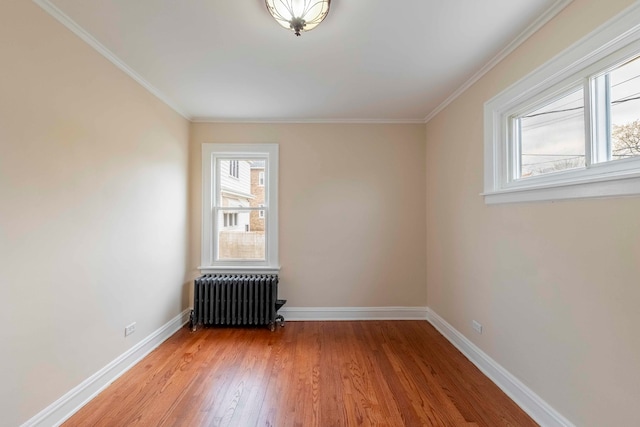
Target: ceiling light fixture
point(298, 15)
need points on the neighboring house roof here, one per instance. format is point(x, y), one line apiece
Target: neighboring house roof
point(257, 164)
point(229, 192)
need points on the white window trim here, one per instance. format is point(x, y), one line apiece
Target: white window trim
point(210, 154)
point(617, 38)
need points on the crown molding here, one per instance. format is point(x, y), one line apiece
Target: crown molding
point(549, 14)
point(308, 121)
point(65, 20)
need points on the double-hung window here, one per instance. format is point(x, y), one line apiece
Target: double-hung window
point(571, 129)
point(240, 210)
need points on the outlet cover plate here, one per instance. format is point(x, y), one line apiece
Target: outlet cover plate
point(476, 326)
point(129, 329)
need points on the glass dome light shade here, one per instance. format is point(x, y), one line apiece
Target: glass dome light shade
point(298, 15)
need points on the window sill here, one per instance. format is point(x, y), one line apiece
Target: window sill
point(238, 270)
point(611, 185)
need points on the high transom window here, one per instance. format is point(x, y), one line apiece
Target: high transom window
point(550, 137)
point(571, 129)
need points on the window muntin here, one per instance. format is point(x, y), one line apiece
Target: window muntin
point(239, 215)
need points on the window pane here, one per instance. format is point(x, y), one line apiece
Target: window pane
point(240, 184)
point(625, 110)
point(242, 235)
point(552, 137)
point(241, 232)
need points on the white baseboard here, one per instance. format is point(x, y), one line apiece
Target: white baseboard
point(63, 408)
point(524, 397)
point(353, 313)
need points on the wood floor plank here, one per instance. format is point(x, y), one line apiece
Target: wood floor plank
point(375, 373)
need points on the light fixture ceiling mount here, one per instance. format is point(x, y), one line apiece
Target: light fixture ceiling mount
point(298, 15)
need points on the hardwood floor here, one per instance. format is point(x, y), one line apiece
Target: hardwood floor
point(375, 373)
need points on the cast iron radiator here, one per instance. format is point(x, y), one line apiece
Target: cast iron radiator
point(236, 299)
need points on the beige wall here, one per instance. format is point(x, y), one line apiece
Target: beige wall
point(555, 285)
point(352, 209)
point(93, 200)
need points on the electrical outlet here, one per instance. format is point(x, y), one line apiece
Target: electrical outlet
point(476, 326)
point(129, 329)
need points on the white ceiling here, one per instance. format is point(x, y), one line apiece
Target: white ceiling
point(370, 60)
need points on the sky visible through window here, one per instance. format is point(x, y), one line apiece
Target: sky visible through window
point(552, 136)
point(625, 108)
